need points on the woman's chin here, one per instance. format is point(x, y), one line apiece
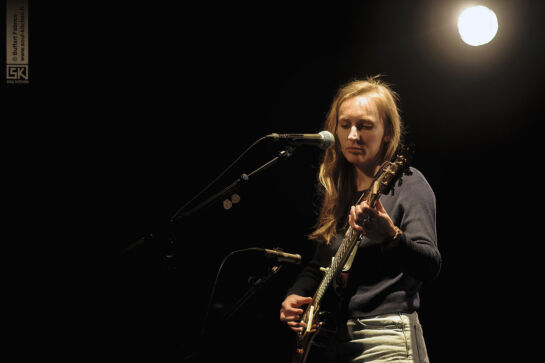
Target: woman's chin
point(355, 158)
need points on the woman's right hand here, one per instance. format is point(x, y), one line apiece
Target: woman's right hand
point(290, 311)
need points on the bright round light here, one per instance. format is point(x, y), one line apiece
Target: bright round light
point(477, 25)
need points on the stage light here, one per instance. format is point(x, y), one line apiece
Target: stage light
point(477, 25)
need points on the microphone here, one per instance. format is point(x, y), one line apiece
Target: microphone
point(282, 256)
point(323, 139)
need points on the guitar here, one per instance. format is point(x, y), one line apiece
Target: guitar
point(388, 174)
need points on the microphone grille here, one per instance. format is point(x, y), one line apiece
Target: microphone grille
point(328, 139)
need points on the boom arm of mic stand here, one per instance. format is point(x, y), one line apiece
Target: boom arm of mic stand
point(256, 285)
point(284, 154)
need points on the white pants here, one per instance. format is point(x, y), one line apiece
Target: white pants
point(386, 338)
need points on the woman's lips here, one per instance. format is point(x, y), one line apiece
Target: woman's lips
point(354, 149)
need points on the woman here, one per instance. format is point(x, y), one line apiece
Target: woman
point(399, 249)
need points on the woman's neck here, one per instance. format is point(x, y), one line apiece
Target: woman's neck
point(365, 176)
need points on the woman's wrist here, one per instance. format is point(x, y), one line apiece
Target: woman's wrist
point(395, 237)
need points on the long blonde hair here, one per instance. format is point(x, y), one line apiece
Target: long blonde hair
point(337, 176)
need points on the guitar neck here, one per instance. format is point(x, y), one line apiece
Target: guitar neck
point(349, 241)
point(372, 199)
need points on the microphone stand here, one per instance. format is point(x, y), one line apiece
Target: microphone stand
point(284, 154)
point(255, 285)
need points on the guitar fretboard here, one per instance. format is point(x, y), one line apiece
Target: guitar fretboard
point(344, 250)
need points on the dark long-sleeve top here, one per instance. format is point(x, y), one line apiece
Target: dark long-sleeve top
point(383, 280)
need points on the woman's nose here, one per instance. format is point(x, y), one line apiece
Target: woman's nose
point(353, 134)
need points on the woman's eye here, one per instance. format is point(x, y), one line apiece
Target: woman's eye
point(359, 127)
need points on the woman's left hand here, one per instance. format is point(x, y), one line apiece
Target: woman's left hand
point(374, 224)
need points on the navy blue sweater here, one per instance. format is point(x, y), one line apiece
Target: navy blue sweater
point(382, 280)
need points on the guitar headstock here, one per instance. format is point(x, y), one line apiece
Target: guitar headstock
point(390, 172)
point(403, 157)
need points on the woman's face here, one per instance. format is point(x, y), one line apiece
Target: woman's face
point(360, 131)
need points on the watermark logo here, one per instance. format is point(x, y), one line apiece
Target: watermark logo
point(17, 60)
point(16, 73)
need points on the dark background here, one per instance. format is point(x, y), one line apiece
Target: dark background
point(134, 108)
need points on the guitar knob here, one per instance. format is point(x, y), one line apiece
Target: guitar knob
point(324, 269)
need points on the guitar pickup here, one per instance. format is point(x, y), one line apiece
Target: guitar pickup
point(310, 319)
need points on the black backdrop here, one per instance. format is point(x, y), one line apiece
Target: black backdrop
point(133, 108)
